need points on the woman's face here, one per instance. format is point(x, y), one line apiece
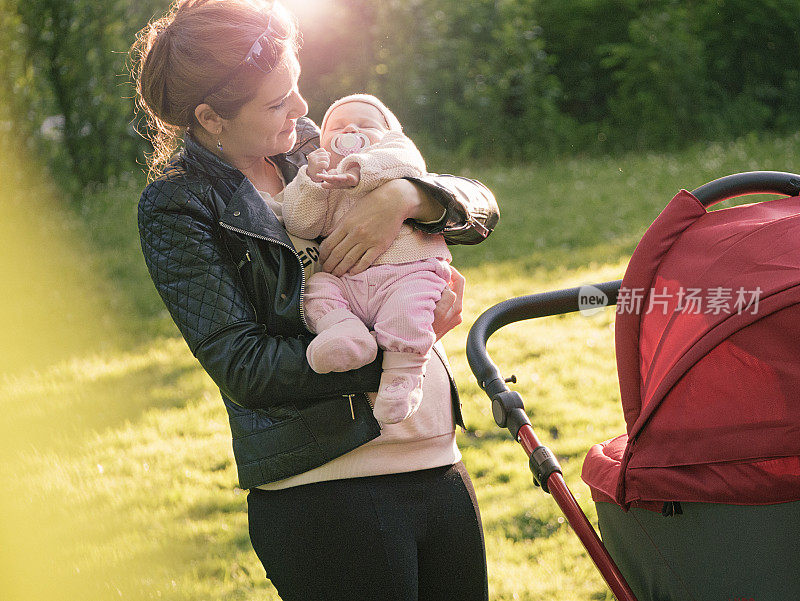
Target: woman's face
point(265, 126)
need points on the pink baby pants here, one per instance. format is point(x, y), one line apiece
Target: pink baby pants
point(395, 301)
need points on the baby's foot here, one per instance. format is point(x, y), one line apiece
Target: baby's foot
point(400, 390)
point(343, 343)
point(399, 396)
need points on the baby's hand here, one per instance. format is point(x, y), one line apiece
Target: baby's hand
point(348, 179)
point(318, 162)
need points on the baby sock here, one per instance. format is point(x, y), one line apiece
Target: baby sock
point(400, 390)
point(342, 343)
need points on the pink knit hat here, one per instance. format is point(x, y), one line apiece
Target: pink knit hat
point(391, 121)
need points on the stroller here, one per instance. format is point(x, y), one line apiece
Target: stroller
point(700, 498)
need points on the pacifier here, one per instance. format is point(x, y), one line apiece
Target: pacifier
point(349, 143)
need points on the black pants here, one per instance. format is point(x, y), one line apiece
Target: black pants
point(402, 537)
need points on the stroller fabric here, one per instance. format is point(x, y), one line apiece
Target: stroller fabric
point(708, 358)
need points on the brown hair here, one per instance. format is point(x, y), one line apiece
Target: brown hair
point(193, 55)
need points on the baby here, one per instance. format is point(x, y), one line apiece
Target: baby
point(362, 147)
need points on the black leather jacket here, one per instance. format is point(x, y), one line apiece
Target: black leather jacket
point(234, 283)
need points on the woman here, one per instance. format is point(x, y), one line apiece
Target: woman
point(338, 508)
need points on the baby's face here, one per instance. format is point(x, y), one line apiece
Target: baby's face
point(354, 117)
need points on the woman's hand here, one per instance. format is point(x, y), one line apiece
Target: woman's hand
point(447, 313)
point(372, 224)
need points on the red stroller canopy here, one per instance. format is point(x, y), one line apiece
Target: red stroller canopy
point(708, 358)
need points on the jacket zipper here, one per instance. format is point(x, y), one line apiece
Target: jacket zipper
point(245, 260)
point(349, 397)
point(294, 252)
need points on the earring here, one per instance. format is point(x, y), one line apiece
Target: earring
point(219, 145)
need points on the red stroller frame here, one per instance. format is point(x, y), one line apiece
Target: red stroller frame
point(507, 406)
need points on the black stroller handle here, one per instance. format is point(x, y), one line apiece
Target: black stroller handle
point(507, 406)
point(749, 182)
point(566, 301)
point(518, 309)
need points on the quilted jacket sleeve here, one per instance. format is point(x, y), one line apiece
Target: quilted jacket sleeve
point(202, 290)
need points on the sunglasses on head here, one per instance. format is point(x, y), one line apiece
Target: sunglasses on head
point(263, 54)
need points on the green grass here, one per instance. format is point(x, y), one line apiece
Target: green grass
point(118, 476)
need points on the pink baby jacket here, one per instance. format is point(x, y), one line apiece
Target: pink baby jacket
point(311, 211)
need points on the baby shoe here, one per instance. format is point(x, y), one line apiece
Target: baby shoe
point(400, 390)
point(343, 343)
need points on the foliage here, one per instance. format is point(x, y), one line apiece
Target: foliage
point(22, 95)
point(337, 55)
point(470, 76)
point(74, 97)
point(509, 80)
point(577, 39)
point(752, 60)
point(494, 80)
point(652, 73)
point(661, 87)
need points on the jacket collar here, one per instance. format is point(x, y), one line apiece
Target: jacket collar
point(246, 210)
point(247, 213)
point(201, 158)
